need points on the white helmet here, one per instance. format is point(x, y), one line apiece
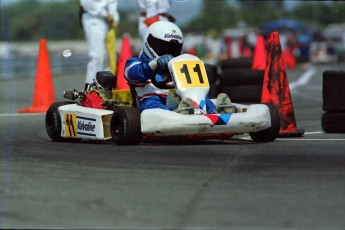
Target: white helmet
point(163, 37)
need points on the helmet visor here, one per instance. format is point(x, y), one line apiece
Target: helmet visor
point(162, 47)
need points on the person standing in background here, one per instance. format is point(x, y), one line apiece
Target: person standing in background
point(152, 11)
point(97, 17)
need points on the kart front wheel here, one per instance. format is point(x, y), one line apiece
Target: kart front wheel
point(271, 133)
point(125, 126)
point(53, 121)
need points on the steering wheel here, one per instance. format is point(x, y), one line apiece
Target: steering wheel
point(165, 84)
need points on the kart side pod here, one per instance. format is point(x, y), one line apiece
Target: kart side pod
point(260, 121)
point(85, 123)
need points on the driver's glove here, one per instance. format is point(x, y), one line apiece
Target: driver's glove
point(163, 61)
point(160, 62)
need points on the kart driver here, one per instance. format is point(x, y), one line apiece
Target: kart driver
point(162, 41)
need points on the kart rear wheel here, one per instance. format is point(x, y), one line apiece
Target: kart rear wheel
point(272, 132)
point(125, 126)
point(53, 121)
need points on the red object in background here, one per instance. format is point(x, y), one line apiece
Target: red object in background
point(151, 20)
point(228, 51)
point(246, 52)
point(259, 58)
point(92, 100)
point(192, 51)
point(244, 49)
point(121, 82)
point(44, 91)
point(289, 58)
point(276, 90)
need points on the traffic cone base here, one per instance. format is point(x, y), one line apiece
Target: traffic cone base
point(276, 88)
point(296, 133)
point(34, 109)
point(44, 91)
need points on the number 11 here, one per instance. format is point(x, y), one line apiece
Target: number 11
point(196, 69)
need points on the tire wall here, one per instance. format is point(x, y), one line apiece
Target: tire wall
point(333, 95)
point(333, 90)
point(236, 78)
point(213, 79)
point(242, 85)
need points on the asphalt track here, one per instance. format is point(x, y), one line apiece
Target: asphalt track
point(291, 183)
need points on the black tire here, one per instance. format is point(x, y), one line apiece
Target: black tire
point(271, 133)
point(214, 90)
point(333, 92)
point(125, 126)
point(236, 63)
point(242, 77)
point(213, 79)
point(333, 122)
point(53, 121)
point(212, 73)
point(243, 93)
point(242, 85)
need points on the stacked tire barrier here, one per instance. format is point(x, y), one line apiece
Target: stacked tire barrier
point(240, 81)
point(213, 79)
point(236, 63)
point(333, 94)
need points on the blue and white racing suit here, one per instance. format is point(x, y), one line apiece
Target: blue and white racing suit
point(138, 73)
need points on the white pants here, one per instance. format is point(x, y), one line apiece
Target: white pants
point(95, 29)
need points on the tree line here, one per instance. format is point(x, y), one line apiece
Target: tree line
point(31, 20)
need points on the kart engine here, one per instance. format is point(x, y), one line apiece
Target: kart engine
point(98, 94)
point(92, 100)
point(98, 99)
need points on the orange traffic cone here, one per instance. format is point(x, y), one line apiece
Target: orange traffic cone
point(44, 90)
point(126, 53)
point(289, 58)
point(276, 90)
point(259, 59)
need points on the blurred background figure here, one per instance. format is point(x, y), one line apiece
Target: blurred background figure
point(97, 18)
point(152, 11)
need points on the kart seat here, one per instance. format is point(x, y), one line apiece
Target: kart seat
point(106, 79)
point(135, 98)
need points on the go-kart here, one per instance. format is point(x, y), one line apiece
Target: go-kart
point(101, 117)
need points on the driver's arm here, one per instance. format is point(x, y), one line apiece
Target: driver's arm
point(137, 70)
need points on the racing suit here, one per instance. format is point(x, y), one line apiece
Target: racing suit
point(138, 73)
point(95, 21)
point(151, 11)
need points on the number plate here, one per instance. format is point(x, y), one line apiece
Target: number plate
point(190, 74)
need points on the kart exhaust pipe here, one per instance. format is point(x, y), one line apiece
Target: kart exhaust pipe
point(71, 94)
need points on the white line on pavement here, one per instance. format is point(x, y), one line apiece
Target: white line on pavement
point(317, 132)
point(304, 79)
point(311, 139)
